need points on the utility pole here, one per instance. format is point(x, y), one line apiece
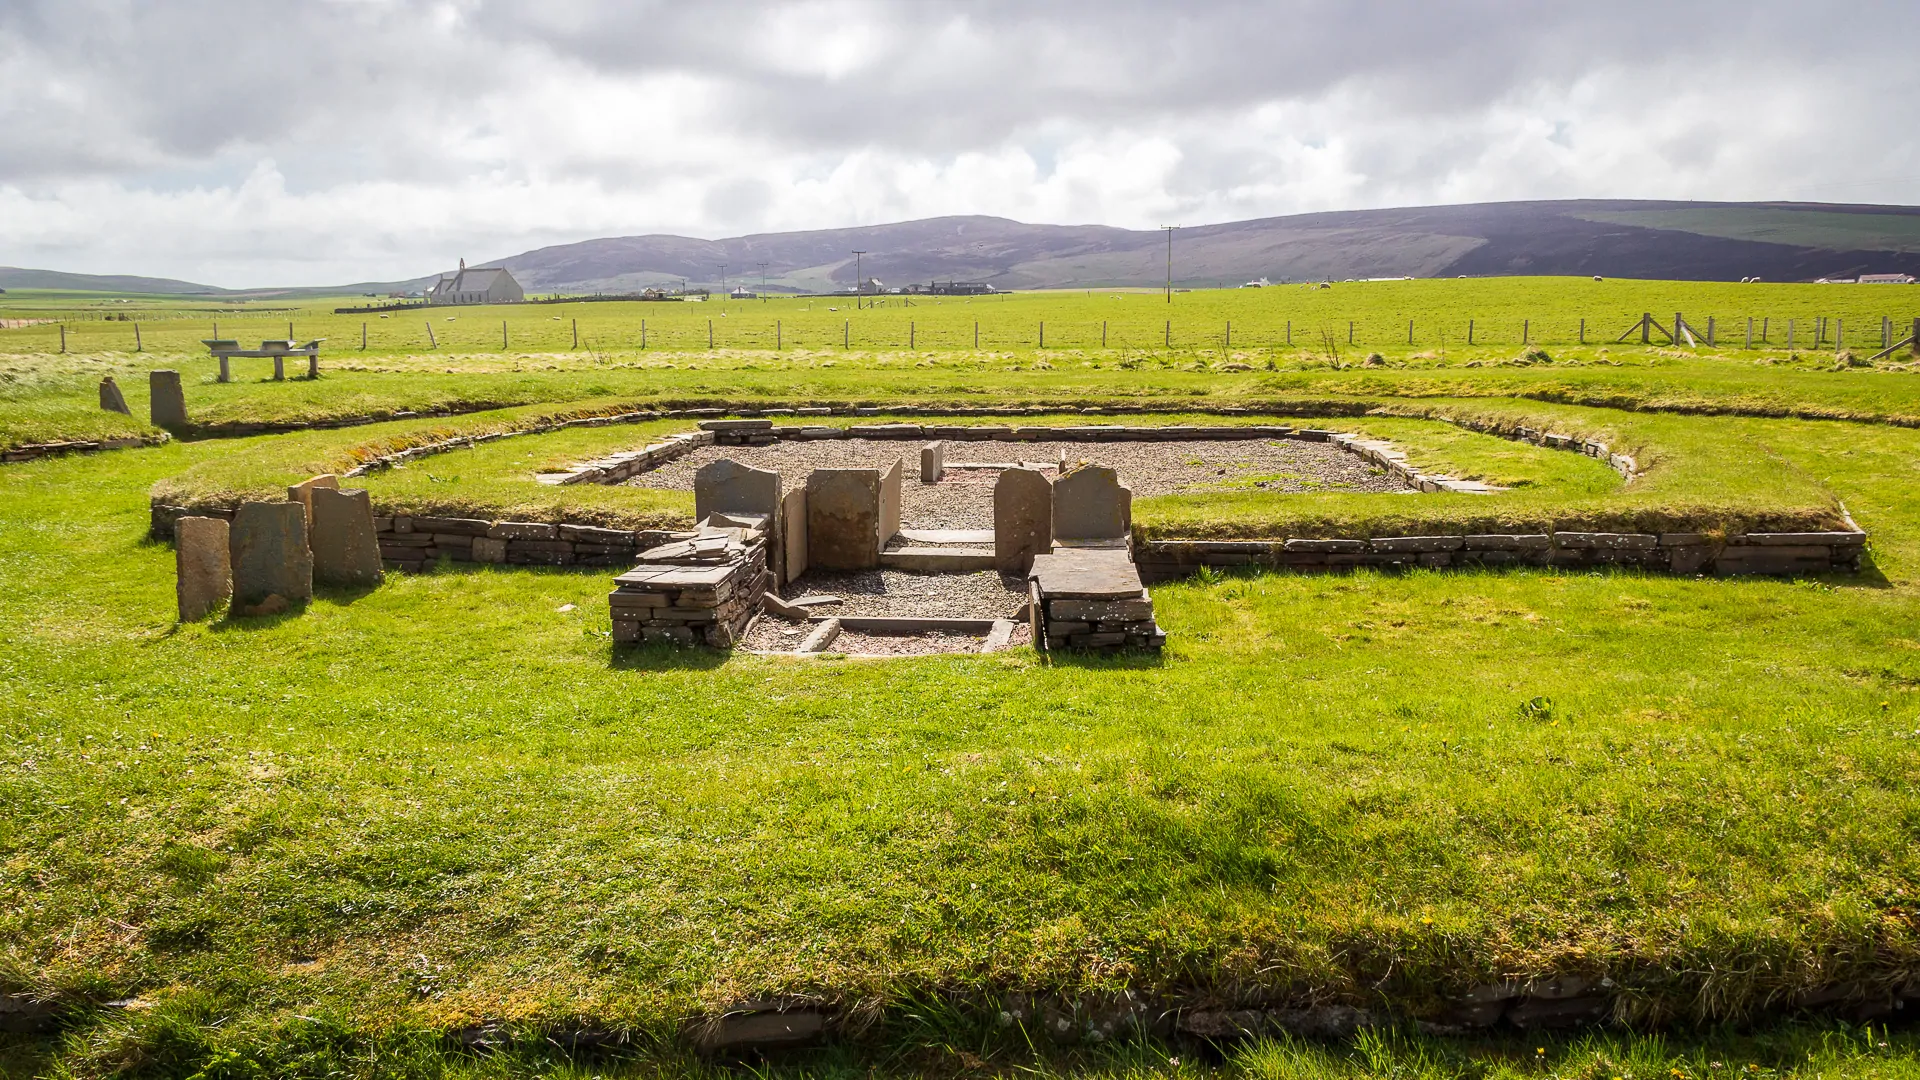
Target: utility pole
point(856, 277)
point(763, 277)
point(723, 281)
point(1169, 230)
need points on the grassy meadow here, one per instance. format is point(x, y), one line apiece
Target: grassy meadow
point(318, 844)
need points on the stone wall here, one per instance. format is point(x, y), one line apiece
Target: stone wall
point(1679, 553)
point(35, 451)
point(700, 587)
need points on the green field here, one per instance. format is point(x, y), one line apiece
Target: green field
point(322, 844)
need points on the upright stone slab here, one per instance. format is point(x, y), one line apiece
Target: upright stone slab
point(166, 401)
point(302, 492)
point(204, 575)
point(890, 503)
point(272, 568)
point(933, 462)
point(1090, 504)
point(111, 399)
point(726, 486)
point(346, 550)
point(1022, 520)
point(793, 533)
point(843, 519)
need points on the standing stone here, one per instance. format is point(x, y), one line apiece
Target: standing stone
point(272, 568)
point(1090, 504)
point(204, 574)
point(843, 519)
point(726, 486)
point(1022, 520)
point(890, 503)
point(166, 401)
point(302, 492)
point(346, 550)
point(793, 528)
point(111, 399)
point(933, 462)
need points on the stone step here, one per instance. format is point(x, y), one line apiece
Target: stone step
point(937, 560)
point(942, 537)
point(908, 624)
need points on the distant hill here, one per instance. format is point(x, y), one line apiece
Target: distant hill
point(1689, 241)
point(14, 277)
point(1614, 238)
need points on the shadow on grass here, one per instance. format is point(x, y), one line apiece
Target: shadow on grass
point(230, 622)
point(1131, 660)
point(344, 595)
point(665, 656)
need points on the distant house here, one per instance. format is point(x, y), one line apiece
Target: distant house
point(479, 285)
point(1886, 279)
point(743, 293)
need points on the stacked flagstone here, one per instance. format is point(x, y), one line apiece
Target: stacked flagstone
point(1091, 599)
point(700, 587)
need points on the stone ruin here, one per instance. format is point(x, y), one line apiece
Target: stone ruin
point(267, 556)
point(1067, 539)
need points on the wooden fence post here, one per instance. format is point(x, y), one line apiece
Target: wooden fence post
point(1229, 338)
point(1749, 331)
point(643, 333)
point(911, 338)
point(1646, 328)
point(431, 343)
point(63, 337)
point(1526, 331)
point(363, 337)
point(576, 333)
point(1839, 334)
point(1469, 331)
point(1169, 335)
point(1766, 325)
point(1886, 331)
point(1289, 333)
point(976, 333)
point(137, 346)
point(846, 335)
point(709, 333)
point(1409, 331)
point(1349, 331)
point(1043, 334)
point(1103, 333)
point(503, 335)
point(776, 335)
point(1916, 337)
point(1711, 343)
point(1583, 331)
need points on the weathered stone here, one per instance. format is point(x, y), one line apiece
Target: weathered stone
point(1328, 547)
point(1087, 574)
point(302, 493)
point(520, 530)
point(1090, 504)
point(268, 549)
point(1022, 520)
point(1508, 542)
point(933, 462)
point(202, 564)
point(890, 503)
point(727, 485)
point(1408, 545)
point(793, 534)
point(488, 550)
point(346, 550)
point(166, 401)
point(1101, 610)
point(843, 519)
point(111, 399)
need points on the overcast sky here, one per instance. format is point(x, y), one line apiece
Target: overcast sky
point(248, 142)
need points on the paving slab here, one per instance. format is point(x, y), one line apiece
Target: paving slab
point(1087, 574)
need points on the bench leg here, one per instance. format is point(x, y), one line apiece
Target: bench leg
point(226, 373)
point(279, 368)
point(313, 366)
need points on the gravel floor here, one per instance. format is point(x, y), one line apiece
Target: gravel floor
point(964, 498)
point(772, 634)
point(981, 595)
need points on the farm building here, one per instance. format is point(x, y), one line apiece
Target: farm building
point(1886, 279)
point(480, 285)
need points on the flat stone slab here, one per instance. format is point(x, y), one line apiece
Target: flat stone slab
point(205, 576)
point(938, 560)
point(946, 536)
point(346, 550)
point(267, 545)
point(1087, 574)
point(676, 577)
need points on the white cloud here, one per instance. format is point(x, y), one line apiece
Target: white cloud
point(390, 138)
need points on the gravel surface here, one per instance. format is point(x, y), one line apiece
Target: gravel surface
point(964, 498)
point(772, 634)
point(981, 595)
